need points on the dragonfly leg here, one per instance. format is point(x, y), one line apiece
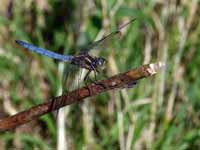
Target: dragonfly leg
point(95, 75)
point(132, 84)
point(90, 68)
point(87, 75)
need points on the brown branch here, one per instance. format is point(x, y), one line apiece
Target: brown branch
point(118, 81)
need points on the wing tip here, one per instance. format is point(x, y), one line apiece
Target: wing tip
point(126, 24)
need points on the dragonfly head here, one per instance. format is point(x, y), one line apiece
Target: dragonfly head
point(100, 61)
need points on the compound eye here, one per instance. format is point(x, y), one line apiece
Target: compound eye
point(101, 62)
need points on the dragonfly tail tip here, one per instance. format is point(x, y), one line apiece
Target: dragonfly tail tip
point(19, 42)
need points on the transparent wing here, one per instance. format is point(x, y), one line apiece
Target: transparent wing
point(69, 82)
point(43, 51)
point(70, 77)
point(103, 43)
point(113, 36)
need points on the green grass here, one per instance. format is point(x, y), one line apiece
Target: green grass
point(161, 112)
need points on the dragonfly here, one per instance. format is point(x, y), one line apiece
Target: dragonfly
point(82, 59)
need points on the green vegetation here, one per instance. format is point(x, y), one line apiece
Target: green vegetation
point(161, 112)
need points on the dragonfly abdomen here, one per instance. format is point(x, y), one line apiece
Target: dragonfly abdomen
point(45, 52)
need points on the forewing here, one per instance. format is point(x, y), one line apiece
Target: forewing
point(108, 39)
point(104, 42)
point(69, 82)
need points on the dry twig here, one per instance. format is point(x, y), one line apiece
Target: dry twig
point(118, 81)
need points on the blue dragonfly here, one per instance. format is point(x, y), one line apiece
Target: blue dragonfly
point(83, 59)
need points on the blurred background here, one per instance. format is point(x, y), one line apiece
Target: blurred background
point(161, 112)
